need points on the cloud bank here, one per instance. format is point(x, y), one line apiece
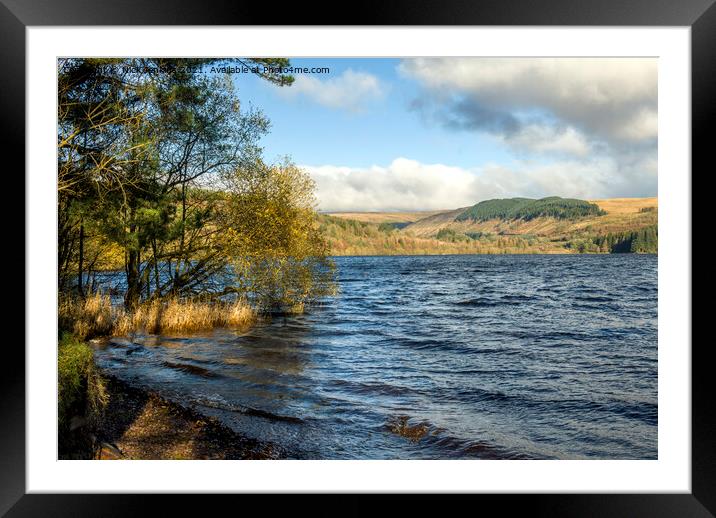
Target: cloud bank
point(613, 100)
point(575, 127)
point(407, 185)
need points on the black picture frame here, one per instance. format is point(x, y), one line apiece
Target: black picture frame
point(700, 15)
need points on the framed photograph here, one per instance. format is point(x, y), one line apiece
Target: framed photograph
point(429, 250)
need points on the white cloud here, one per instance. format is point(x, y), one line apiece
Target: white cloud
point(606, 98)
point(548, 139)
point(595, 118)
point(410, 185)
point(352, 90)
point(402, 185)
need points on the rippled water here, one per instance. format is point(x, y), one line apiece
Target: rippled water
point(435, 357)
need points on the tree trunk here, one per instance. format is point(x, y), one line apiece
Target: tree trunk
point(134, 281)
point(131, 299)
point(180, 258)
point(81, 259)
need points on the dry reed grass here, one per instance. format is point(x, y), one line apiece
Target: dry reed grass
point(88, 317)
point(95, 316)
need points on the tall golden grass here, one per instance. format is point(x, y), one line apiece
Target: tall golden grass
point(95, 316)
point(86, 317)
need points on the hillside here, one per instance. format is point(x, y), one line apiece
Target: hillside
point(385, 217)
point(549, 225)
point(527, 209)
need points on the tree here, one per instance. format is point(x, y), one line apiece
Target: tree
point(644, 240)
point(278, 252)
point(135, 136)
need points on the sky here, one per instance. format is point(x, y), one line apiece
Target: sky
point(379, 134)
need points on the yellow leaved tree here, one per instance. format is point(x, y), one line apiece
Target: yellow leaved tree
point(278, 253)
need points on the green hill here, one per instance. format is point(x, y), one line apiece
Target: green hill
point(528, 209)
point(517, 225)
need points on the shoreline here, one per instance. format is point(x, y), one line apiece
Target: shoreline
point(119, 268)
point(140, 424)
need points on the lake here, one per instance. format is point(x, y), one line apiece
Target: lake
point(437, 357)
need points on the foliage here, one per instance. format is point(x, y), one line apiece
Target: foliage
point(81, 390)
point(583, 246)
point(478, 235)
point(351, 237)
point(644, 240)
point(135, 137)
point(449, 234)
point(528, 209)
point(160, 171)
point(493, 209)
point(392, 225)
point(279, 254)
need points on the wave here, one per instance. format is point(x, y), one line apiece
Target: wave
point(478, 303)
point(374, 388)
point(594, 299)
point(191, 369)
point(201, 361)
point(642, 411)
point(219, 403)
point(517, 298)
point(475, 395)
point(506, 300)
point(422, 432)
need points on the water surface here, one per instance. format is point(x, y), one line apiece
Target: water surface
point(493, 357)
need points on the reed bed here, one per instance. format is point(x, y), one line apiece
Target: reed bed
point(94, 315)
point(87, 317)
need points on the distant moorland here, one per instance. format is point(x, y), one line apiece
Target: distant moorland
point(517, 225)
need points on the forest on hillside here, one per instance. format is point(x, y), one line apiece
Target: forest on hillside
point(642, 241)
point(528, 209)
point(510, 226)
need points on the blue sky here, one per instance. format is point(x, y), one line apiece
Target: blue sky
point(420, 134)
point(382, 128)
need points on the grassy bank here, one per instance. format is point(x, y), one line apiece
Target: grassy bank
point(81, 395)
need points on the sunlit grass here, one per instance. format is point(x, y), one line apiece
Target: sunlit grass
point(87, 317)
point(95, 316)
point(176, 315)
